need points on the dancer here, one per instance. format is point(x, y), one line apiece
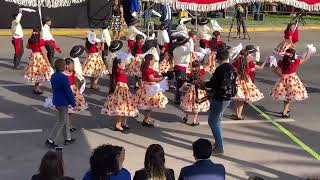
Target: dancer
point(137, 53)
point(80, 101)
point(251, 52)
point(181, 58)
point(247, 91)
point(133, 32)
point(50, 43)
point(120, 102)
point(114, 47)
point(204, 31)
point(189, 101)
point(17, 39)
point(39, 69)
point(117, 19)
point(75, 53)
point(163, 40)
point(289, 88)
point(145, 102)
point(93, 67)
point(106, 40)
point(288, 41)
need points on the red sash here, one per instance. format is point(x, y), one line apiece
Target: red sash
point(53, 44)
point(16, 43)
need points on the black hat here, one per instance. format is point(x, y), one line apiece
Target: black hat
point(181, 40)
point(14, 16)
point(46, 19)
point(148, 44)
point(204, 21)
point(223, 47)
point(133, 21)
point(163, 26)
point(251, 49)
point(76, 51)
point(115, 46)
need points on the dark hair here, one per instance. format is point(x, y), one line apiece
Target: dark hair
point(222, 55)
point(202, 44)
point(192, 33)
point(216, 33)
point(146, 63)
point(60, 65)
point(214, 41)
point(135, 46)
point(69, 61)
point(51, 167)
point(35, 36)
point(202, 149)
point(288, 29)
point(242, 59)
point(287, 60)
point(195, 74)
point(87, 44)
point(113, 82)
point(154, 162)
point(103, 162)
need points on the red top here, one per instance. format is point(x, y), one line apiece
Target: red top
point(93, 48)
point(139, 49)
point(292, 69)
point(147, 73)
point(121, 77)
point(35, 47)
point(202, 73)
point(219, 42)
point(288, 35)
point(71, 78)
point(295, 36)
point(250, 65)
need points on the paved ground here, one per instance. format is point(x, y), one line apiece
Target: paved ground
point(252, 148)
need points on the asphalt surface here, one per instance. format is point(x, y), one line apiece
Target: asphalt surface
point(255, 147)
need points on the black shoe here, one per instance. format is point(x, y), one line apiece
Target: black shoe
point(235, 117)
point(178, 102)
point(50, 145)
point(69, 141)
point(217, 152)
point(37, 92)
point(148, 124)
point(185, 120)
point(126, 127)
point(73, 129)
point(195, 124)
point(118, 129)
point(285, 115)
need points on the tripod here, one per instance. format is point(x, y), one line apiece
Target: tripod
point(238, 33)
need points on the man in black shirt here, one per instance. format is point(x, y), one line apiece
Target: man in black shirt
point(240, 15)
point(223, 88)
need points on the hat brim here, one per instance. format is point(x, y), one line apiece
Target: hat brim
point(133, 22)
point(254, 50)
point(180, 43)
point(204, 22)
point(77, 54)
point(115, 49)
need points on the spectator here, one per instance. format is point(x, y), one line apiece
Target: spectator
point(51, 168)
point(166, 16)
point(203, 168)
point(154, 165)
point(106, 163)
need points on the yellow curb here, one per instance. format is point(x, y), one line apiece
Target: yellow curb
point(82, 31)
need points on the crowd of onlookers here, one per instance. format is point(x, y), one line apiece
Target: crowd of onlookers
point(106, 163)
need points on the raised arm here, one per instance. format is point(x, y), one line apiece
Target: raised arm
point(139, 32)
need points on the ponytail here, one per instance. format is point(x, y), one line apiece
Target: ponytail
point(113, 78)
point(35, 37)
point(243, 56)
point(288, 58)
point(146, 63)
point(135, 46)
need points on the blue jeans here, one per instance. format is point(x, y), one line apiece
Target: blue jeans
point(256, 8)
point(216, 111)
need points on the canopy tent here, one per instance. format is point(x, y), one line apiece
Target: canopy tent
point(213, 5)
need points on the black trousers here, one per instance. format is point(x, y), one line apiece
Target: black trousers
point(240, 22)
point(17, 53)
point(50, 53)
point(105, 52)
point(180, 76)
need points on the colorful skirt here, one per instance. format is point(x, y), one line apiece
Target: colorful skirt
point(94, 66)
point(289, 88)
point(120, 103)
point(282, 47)
point(116, 24)
point(80, 101)
point(247, 91)
point(135, 67)
point(159, 100)
point(188, 103)
point(165, 66)
point(38, 70)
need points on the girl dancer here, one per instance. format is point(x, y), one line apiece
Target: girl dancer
point(163, 40)
point(94, 66)
point(80, 101)
point(39, 68)
point(145, 102)
point(137, 52)
point(189, 101)
point(289, 88)
point(288, 41)
point(247, 91)
point(120, 102)
point(133, 32)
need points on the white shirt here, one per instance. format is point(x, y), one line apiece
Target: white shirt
point(133, 32)
point(169, 13)
point(109, 61)
point(163, 37)
point(182, 54)
point(105, 36)
point(182, 28)
point(78, 68)
point(204, 32)
point(16, 27)
point(46, 34)
point(202, 53)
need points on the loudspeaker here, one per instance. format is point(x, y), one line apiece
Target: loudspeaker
point(258, 17)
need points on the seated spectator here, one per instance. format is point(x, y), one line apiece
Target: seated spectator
point(106, 163)
point(154, 165)
point(51, 168)
point(203, 168)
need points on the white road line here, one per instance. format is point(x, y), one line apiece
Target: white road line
point(250, 121)
point(14, 85)
point(93, 104)
point(21, 131)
